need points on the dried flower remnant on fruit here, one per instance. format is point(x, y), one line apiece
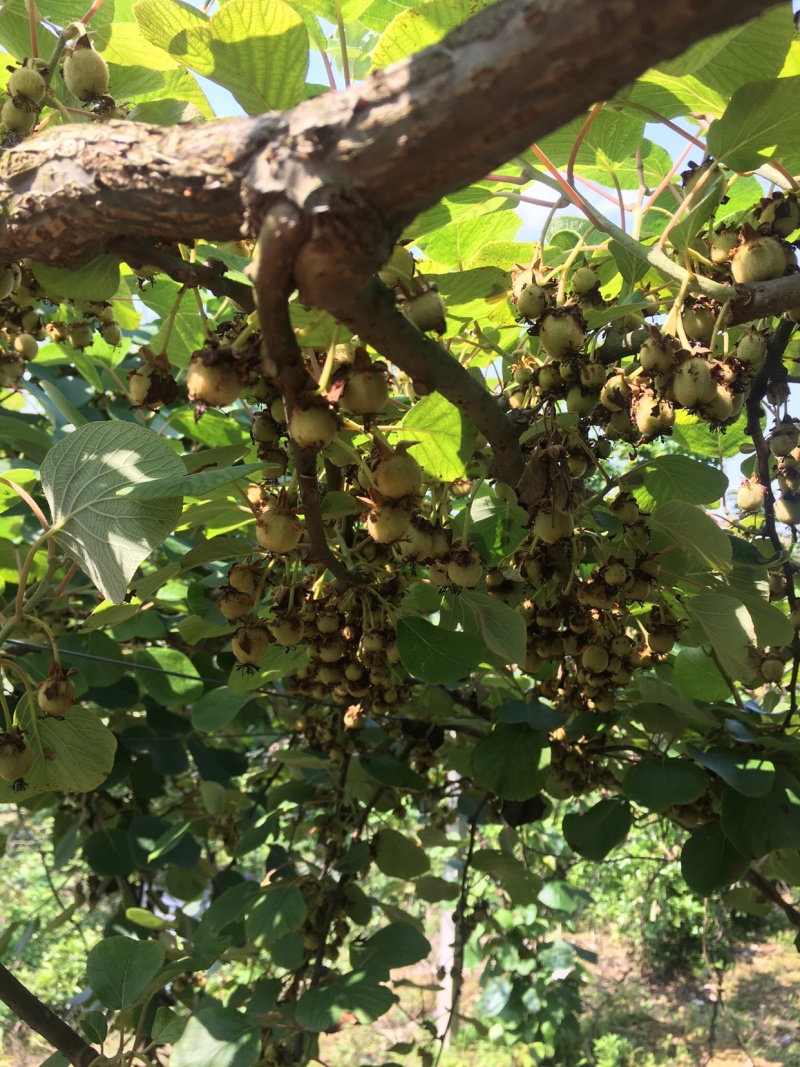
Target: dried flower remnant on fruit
point(57, 693)
point(16, 759)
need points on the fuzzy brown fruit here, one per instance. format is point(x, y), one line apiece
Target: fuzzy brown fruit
point(215, 384)
point(397, 476)
point(277, 531)
point(313, 423)
point(250, 643)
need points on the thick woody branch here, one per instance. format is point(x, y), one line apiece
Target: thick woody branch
point(44, 1021)
point(409, 134)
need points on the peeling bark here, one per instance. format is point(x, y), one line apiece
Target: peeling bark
point(410, 134)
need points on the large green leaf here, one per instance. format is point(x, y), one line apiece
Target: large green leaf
point(709, 861)
point(677, 477)
point(694, 531)
point(727, 625)
point(217, 1037)
point(322, 1008)
point(109, 536)
point(397, 945)
point(119, 969)
point(752, 776)
point(193, 484)
point(256, 48)
point(512, 761)
point(398, 856)
point(71, 755)
point(756, 825)
point(434, 654)
point(595, 832)
point(280, 910)
point(759, 123)
point(657, 784)
point(97, 280)
point(501, 627)
point(445, 436)
point(422, 25)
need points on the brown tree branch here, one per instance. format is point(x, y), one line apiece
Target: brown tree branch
point(767, 889)
point(412, 132)
point(45, 1022)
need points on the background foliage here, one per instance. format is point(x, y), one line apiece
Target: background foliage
point(263, 777)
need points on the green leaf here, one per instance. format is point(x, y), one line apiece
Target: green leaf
point(446, 437)
point(561, 896)
point(709, 861)
point(434, 890)
point(167, 1027)
point(71, 755)
point(217, 548)
point(171, 689)
point(758, 124)
point(702, 206)
point(678, 477)
point(512, 761)
point(756, 825)
point(752, 776)
point(632, 268)
point(698, 438)
point(118, 969)
point(280, 910)
point(144, 918)
point(501, 627)
point(321, 1008)
point(729, 629)
point(511, 874)
point(26, 438)
point(108, 852)
point(95, 1026)
point(397, 945)
point(398, 856)
point(594, 833)
point(169, 840)
point(697, 676)
point(434, 654)
point(107, 536)
point(190, 485)
point(390, 771)
point(97, 280)
point(695, 531)
point(422, 25)
point(256, 48)
point(217, 708)
point(657, 784)
point(217, 1037)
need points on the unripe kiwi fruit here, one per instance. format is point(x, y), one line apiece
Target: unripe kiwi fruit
point(397, 476)
point(782, 212)
point(751, 349)
point(584, 281)
point(7, 281)
point(427, 311)
point(562, 331)
point(758, 260)
point(111, 333)
point(215, 384)
point(264, 429)
point(693, 384)
point(28, 82)
point(277, 531)
point(25, 346)
point(20, 120)
point(388, 524)
point(721, 246)
point(80, 335)
point(313, 423)
point(465, 568)
point(16, 758)
point(787, 509)
point(653, 416)
point(242, 578)
point(783, 439)
point(721, 406)
point(655, 355)
point(750, 496)
point(234, 604)
point(616, 393)
point(86, 72)
point(581, 401)
point(11, 370)
point(531, 301)
point(250, 643)
point(698, 321)
point(553, 526)
point(365, 392)
point(594, 658)
point(56, 696)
